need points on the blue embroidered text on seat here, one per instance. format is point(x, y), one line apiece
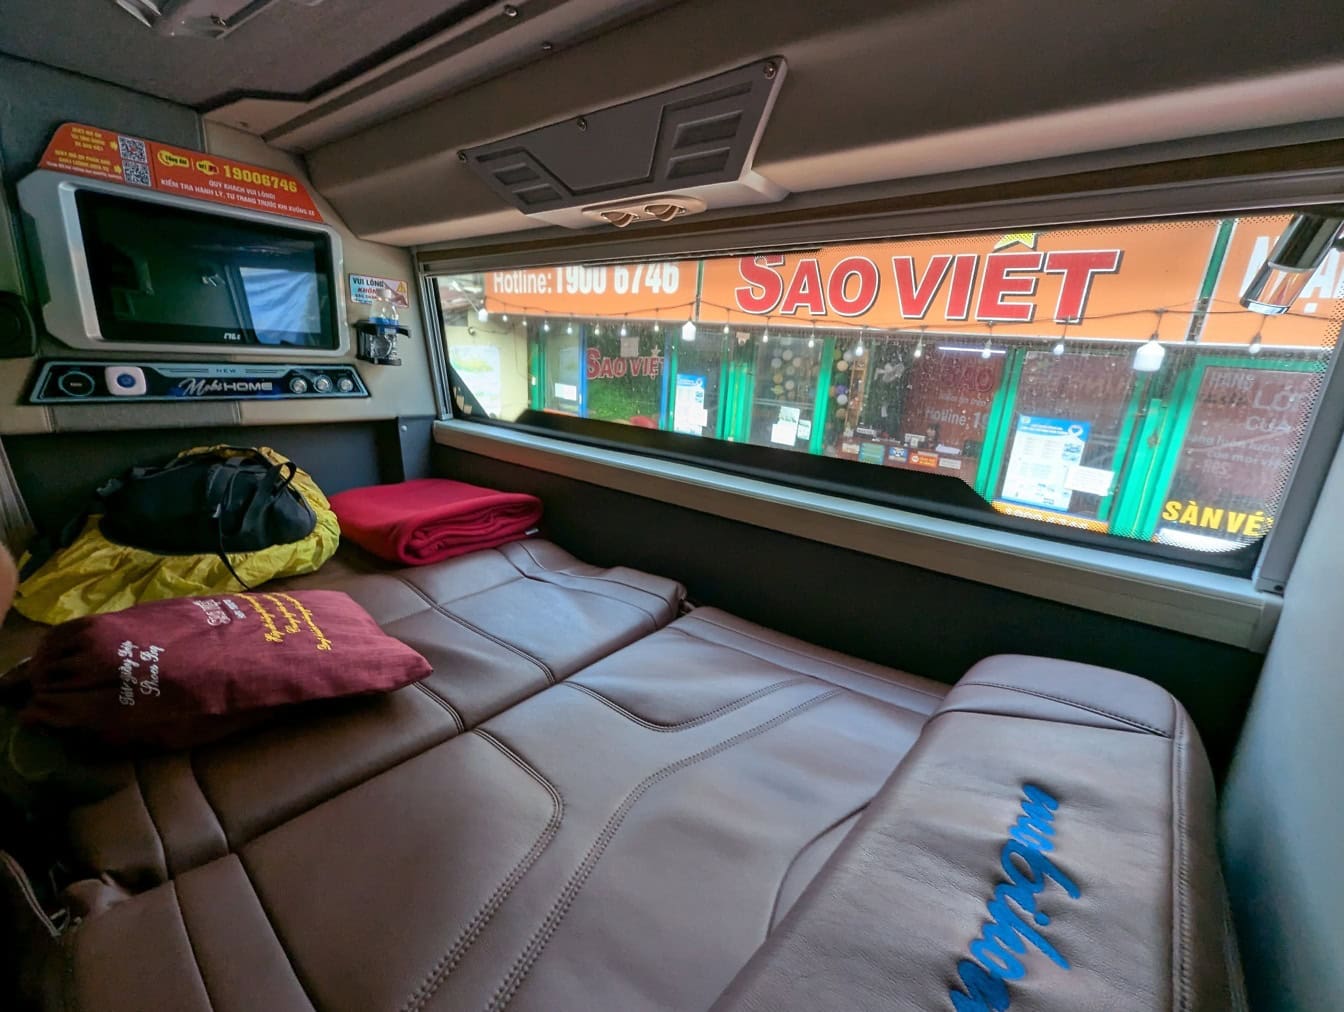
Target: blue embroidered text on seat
point(1005, 935)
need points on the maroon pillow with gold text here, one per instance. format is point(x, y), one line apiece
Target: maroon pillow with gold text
point(190, 670)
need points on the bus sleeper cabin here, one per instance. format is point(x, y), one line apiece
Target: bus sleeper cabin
point(672, 505)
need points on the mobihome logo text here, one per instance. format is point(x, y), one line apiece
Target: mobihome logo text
point(984, 977)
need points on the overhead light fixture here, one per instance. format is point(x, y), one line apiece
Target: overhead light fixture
point(483, 315)
point(1149, 356)
point(688, 331)
point(1295, 258)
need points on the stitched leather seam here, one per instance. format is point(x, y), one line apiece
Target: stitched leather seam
point(522, 546)
point(779, 889)
point(1181, 976)
point(536, 945)
point(586, 590)
point(447, 706)
point(191, 945)
point(1081, 706)
point(450, 959)
point(704, 718)
point(158, 833)
point(214, 812)
point(816, 660)
point(442, 609)
point(275, 931)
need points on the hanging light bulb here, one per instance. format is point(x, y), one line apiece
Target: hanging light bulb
point(725, 330)
point(688, 331)
point(1254, 347)
point(1058, 349)
point(858, 348)
point(546, 326)
point(504, 318)
point(811, 342)
point(988, 350)
point(765, 337)
point(482, 315)
point(624, 331)
point(657, 327)
point(597, 328)
point(1149, 356)
point(569, 327)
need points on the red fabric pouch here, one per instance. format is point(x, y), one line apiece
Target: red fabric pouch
point(432, 519)
point(190, 670)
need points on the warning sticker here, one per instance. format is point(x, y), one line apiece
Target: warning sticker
point(103, 154)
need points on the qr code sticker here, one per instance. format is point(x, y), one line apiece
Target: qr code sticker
point(136, 174)
point(132, 149)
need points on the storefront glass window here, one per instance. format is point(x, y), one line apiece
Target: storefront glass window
point(1100, 377)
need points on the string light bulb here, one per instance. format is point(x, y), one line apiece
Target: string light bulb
point(688, 331)
point(1149, 356)
point(858, 348)
point(483, 315)
point(625, 332)
point(1254, 347)
point(546, 326)
point(657, 327)
point(504, 318)
point(988, 349)
point(569, 327)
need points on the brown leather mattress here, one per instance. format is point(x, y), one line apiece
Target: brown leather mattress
point(594, 805)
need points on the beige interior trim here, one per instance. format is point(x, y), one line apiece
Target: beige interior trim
point(1213, 606)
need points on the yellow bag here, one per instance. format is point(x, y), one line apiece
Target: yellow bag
point(95, 575)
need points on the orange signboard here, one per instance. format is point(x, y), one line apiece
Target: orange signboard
point(658, 291)
point(1314, 319)
point(119, 158)
point(1113, 282)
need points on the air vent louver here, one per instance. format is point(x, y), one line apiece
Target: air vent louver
point(613, 165)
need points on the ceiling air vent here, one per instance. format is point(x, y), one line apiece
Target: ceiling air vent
point(203, 19)
point(653, 159)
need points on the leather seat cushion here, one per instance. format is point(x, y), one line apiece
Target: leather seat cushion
point(624, 840)
point(497, 626)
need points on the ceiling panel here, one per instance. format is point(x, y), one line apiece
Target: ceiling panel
point(289, 50)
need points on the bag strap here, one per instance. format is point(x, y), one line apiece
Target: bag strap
point(218, 483)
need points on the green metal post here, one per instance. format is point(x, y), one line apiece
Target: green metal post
point(821, 404)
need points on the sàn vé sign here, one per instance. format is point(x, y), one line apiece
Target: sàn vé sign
point(120, 158)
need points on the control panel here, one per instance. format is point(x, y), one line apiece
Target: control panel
point(62, 382)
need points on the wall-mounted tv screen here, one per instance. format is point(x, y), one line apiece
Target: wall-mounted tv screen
point(164, 274)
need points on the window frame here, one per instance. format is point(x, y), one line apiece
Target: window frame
point(1264, 566)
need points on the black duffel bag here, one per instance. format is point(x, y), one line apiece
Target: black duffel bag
point(221, 500)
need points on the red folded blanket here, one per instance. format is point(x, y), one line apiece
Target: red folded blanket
point(431, 519)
